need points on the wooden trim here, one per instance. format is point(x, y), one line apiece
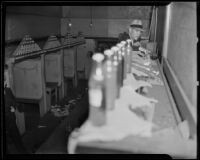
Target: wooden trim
point(70, 45)
point(102, 38)
point(39, 53)
point(61, 87)
point(171, 99)
point(17, 41)
point(186, 109)
point(75, 69)
point(166, 32)
point(50, 50)
point(62, 72)
point(43, 101)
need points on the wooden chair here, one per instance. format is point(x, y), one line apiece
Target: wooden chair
point(54, 77)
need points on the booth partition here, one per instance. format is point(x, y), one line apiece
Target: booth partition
point(54, 69)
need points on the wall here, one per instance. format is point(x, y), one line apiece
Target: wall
point(108, 21)
point(37, 21)
point(18, 25)
point(161, 12)
point(182, 47)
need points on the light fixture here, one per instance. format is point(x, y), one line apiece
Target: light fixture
point(69, 20)
point(70, 24)
point(91, 17)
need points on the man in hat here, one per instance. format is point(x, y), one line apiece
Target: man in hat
point(135, 31)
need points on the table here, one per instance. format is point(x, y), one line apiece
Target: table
point(162, 142)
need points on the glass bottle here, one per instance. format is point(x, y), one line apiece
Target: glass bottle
point(110, 80)
point(116, 69)
point(129, 56)
point(96, 92)
point(124, 55)
point(119, 45)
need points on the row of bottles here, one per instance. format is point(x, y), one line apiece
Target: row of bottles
point(108, 73)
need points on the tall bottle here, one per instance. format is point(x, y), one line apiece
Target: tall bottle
point(129, 56)
point(97, 112)
point(110, 80)
point(120, 57)
point(116, 69)
point(124, 55)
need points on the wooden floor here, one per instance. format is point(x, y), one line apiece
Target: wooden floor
point(57, 141)
point(48, 135)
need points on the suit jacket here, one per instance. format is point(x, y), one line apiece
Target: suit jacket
point(9, 100)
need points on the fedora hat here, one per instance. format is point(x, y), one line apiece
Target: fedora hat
point(136, 23)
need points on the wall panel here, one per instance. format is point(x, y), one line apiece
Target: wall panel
point(182, 47)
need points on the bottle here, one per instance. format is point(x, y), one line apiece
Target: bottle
point(116, 69)
point(97, 114)
point(119, 45)
point(110, 80)
point(129, 56)
point(124, 55)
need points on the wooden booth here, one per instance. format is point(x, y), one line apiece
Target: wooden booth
point(70, 44)
point(54, 69)
point(28, 83)
point(81, 58)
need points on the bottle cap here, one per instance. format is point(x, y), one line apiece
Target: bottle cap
point(98, 57)
point(114, 49)
point(123, 43)
point(108, 52)
point(128, 40)
point(119, 45)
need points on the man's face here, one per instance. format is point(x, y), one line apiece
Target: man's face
point(134, 33)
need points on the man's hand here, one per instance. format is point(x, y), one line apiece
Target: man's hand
point(144, 50)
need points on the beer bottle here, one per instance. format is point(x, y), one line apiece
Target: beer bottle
point(96, 92)
point(119, 45)
point(110, 80)
point(129, 55)
point(116, 69)
point(124, 55)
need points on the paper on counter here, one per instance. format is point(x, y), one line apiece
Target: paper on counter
point(184, 128)
point(130, 97)
point(182, 131)
point(121, 122)
point(139, 73)
point(140, 61)
point(131, 81)
point(154, 81)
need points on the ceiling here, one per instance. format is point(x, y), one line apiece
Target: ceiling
point(104, 12)
point(53, 11)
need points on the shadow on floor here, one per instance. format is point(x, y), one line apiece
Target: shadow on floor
point(48, 135)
